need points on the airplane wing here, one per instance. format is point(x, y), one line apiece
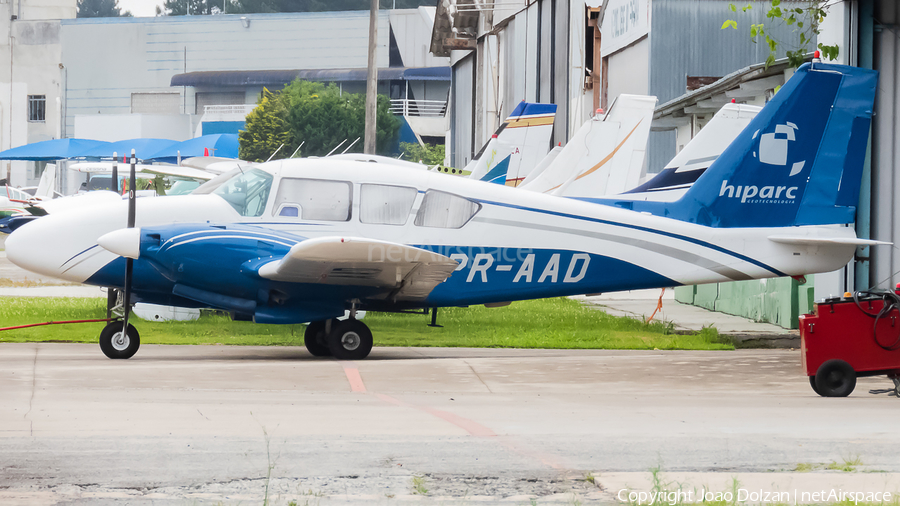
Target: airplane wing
point(812, 241)
point(406, 273)
point(174, 170)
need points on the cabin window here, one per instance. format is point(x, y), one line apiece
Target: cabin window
point(384, 204)
point(313, 199)
point(248, 192)
point(444, 210)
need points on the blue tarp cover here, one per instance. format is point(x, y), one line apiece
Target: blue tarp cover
point(56, 149)
point(223, 145)
point(144, 148)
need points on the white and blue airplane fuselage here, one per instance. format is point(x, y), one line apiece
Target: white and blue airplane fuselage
point(302, 240)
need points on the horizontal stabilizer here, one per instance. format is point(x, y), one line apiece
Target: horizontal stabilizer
point(785, 239)
point(408, 273)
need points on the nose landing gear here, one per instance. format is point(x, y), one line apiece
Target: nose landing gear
point(113, 341)
point(117, 344)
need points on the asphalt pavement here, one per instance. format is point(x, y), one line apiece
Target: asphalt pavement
point(218, 424)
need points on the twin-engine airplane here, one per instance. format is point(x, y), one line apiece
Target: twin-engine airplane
point(296, 241)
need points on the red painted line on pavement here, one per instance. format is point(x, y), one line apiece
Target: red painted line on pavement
point(353, 377)
point(472, 427)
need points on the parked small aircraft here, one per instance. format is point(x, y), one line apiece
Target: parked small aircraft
point(302, 240)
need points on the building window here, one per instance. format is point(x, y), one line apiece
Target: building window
point(37, 107)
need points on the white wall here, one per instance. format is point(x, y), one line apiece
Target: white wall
point(118, 127)
point(111, 58)
point(628, 70)
point(30, 67)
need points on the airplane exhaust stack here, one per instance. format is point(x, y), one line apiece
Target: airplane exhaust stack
point(125, 242)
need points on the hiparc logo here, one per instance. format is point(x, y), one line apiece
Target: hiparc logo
point(773, 147)
point(766, 194)
point(773, 150)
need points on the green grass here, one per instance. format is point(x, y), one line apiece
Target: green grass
point(548, 323)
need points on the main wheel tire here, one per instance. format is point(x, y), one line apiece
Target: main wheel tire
point(350, 340)
point(812, 383)
point(116, 344)
point(314, 339)
point(835, 378)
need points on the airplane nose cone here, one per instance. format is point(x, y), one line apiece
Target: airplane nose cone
point(125, 242)
point(25, 248)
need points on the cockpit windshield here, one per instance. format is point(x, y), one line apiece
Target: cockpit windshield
point(248, 192)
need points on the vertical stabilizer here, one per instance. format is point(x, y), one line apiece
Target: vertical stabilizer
point(689, 164)
point(606, 155)
point(524, 138)
point(799, 162)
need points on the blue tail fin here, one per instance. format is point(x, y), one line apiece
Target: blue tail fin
point(497, 175)
point(799, 162)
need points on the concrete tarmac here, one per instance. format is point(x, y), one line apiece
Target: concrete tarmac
point(217, 425)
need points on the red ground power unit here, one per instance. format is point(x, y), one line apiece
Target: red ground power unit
point(851, 336)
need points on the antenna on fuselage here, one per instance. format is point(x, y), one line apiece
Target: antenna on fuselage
point(336, 147)
point(298, 149)
point(351, 145)
point(275, 153)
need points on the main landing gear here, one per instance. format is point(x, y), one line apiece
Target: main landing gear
point(350, 339)
point(113, 341)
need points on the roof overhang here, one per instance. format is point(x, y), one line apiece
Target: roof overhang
point(280, 77)
point(740, 85)
point(455, 26)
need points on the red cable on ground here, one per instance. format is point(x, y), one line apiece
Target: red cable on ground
point(51, 323)
point(658, 306)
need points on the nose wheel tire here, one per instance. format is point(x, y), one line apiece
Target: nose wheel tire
point(315, 341)
point(117, 344)
point(350, 340)
point(835, 378)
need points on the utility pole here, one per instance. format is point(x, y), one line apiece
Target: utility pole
point(371, 82)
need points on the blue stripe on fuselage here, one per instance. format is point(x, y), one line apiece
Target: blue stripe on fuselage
point(643, 229)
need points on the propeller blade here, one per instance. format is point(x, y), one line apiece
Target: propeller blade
point(114, 183)
point(129, 263)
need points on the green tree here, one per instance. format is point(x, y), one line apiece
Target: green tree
point(427, 154)
point(805, 19)
point(100, 9)
point(316, 115)
point(192, 7)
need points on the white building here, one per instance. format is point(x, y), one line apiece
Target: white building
point(32, 79)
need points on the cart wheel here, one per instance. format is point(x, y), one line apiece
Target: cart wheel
point(812, 383)
point(835, 378)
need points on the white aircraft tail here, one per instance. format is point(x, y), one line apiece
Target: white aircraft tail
point(48, 182)
point(605, 156)
point(524, 138)
point(680, 173)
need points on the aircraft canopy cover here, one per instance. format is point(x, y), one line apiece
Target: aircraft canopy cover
point(56, 149)
point(219, 145)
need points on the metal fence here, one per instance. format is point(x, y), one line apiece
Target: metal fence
point(408, 107)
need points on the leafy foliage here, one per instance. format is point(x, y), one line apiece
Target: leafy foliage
point(194, 7)
point(427, 154)
point(805, 20)
point(316, 115)
point(100, 9)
